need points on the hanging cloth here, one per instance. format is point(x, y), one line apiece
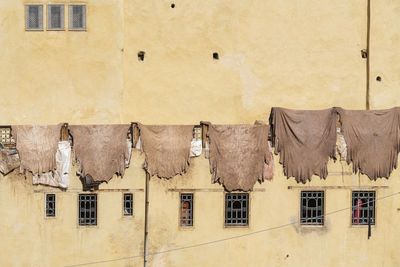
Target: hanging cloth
point(305, 139)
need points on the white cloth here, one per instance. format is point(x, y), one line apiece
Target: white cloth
point(59, 177)
point(128, 160)
point(196, 148)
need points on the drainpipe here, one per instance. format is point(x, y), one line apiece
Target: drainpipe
point(367, 104)
point(146, 212)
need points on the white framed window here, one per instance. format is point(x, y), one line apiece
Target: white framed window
point(34, 17)
point(55, 17)
point(77, 17)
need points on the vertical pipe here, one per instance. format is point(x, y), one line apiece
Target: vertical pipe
point(368, 52)
point(146, 212)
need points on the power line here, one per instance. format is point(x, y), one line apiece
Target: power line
point(226, 239)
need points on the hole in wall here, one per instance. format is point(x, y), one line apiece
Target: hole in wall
point(172, 5)
point(215, 56)
point(140, 55)
point(378, 78)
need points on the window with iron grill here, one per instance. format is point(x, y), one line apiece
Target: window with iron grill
point(34, 17)
point(363, 207)
point(55, 17)
point(236, 209)
point(50, 205)
point(5, 137)
point(186, 209)
point(197, 132)
point(87, 209)
point(128, 204)
point(312, 207)
point(77, 17)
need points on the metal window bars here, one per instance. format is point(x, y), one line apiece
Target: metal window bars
point(87, 209)
point(50, 205)
point(312, 207)
point(363, 207)
point(236, 209)
point(128, 204)
point(186, 216)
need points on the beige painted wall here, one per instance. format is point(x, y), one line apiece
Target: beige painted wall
point(297, 54)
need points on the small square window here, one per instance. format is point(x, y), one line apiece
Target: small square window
point(87, 209)
point(363, 207)
point(50, 205)
point(55, 17)
point(186, 210)
point(312, 207)
point(128, 204)
point(236, 209)
point(6, 138)
point(34, 17)
point(77, 17)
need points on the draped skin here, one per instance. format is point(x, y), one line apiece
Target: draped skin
point(305, 140)
point(239, 155)
point(167, 148)
point(101, 150)
point(372, 139)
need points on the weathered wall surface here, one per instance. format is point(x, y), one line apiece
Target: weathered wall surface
point(297, 54)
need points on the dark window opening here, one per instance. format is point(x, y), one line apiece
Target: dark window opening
point(128, 204)
point(50, 205)
point(34, 17)
point(215, 56)
point(186, 210)
point(87, 209)
point(312, 207)
point(55, 15)
point(236, 209)
point(172, 5)
point(363, 207)
point(77, 17)
point(141, 55)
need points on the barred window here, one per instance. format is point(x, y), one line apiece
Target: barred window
point(363, 207)
point(197, 132)
point(5, 137)
point(55, 17)
point(87, 209)
point(77, 17)
point(236, 209)
point(50, 205)
point(312, 207)
point(34, 17)
point(128, 204)
point(186, 209)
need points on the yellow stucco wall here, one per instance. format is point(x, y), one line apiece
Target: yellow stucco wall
point(297, 54)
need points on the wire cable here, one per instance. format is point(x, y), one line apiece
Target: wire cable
point(226, 239)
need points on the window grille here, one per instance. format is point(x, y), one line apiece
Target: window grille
point(197, 132)
point(6, 138)
point(34, 17)
point(363, 207)
point(55, 17)
point(128, 204)
point(236, 209)
point(87, 209)
point(312, 207)
point(77, 17)
point(50, 205)
point(186, 209)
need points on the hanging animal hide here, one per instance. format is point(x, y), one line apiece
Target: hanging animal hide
point(167, 148)
point(305, 139)
point(372, 139)
point(9, 160)
point(37, 147)
point(101, 150)
point(238, 154)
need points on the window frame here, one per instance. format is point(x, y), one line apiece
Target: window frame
point(48, 17)
point(191, 208)
point(70, 19)
point(373, 224)
point(231, 225)
point(46, 206)
point(97, 210)
point(305, 224)
point(41, 19)
point(123, 205)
